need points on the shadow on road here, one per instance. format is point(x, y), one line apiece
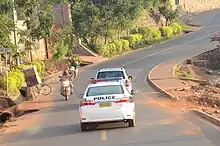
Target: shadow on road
point(63, 108)
point(43, 133)
point(50, 100)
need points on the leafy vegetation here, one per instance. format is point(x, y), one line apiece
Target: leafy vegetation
point(106, 27)
point(16, 76)
point(97, 23)
point(184, 71)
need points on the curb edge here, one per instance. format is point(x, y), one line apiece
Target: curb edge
point(214, 120)
point(157, 87)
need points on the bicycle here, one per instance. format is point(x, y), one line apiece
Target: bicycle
point(42, 88)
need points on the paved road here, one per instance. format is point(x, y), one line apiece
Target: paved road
point(155, 126)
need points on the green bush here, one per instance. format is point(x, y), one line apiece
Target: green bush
point(103, 50)
point(113, 49)
point(22, 67)
point(147, 35)
point(16, 76)
point(166, 32)
point(40, 68)
point(75, 56)
point(177, 29)
point(12, 84)
point(15, 81)
point(134, 40)
point(126, 45)
point(150, 35)
point(119, 46)
point(19, 77)
point(156, 34)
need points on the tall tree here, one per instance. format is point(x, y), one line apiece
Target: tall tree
point(38, 22)
point(107, 21)
point(85, 16)
point(29, 9)
point(168, 12)
point(6, 23)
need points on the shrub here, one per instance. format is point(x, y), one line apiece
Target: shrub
point(166, 31)
point(19, 77)
point(40, 68)
point(147, 35)
point(125, 47)
point(12, 84)
point(22, 67)
point(112, 48)
point(134, 40)
point(103, 50)
point(156, 34)
point(42, 65)
point(15, 81)
point(150, 34)
point(76, 57)
point(176, 28)
point(119, 46)
point(16, 76)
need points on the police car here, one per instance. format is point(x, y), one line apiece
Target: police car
point(106, 100)
point(115, 72)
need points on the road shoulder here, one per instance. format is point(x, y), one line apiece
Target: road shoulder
point(162, 79)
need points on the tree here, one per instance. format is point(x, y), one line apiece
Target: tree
point(86, 22)
point(57, 41)
point(106, 21)
point(168, 13)
point(44, 28)
point(38, 22)
point(6, 23)
point(56, 1)
point(29, 9)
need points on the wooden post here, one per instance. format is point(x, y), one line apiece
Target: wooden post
point(6, 66)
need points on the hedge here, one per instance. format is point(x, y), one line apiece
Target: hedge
point(16, 76)
point(177, 29)
point(134, 40)
point(166, 32)
point(150, 35)
point(75, 56)
point(113, 48)
point(139, 37)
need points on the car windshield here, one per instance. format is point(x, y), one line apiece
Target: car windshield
point(110, 74)
point(105, 90)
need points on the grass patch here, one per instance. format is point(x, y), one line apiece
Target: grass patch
point(185, 27)
point(184, 71)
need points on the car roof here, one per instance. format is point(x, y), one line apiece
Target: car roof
point(111, 69)
point(106, 83)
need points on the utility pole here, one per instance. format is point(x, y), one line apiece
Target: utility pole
point(15, 33)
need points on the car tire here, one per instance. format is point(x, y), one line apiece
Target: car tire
point(84, 127)
point(132, 122)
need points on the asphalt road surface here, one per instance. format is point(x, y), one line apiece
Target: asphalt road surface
point(155, 126)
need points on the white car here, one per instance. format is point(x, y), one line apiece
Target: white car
point(115, 72)
point(106, 100)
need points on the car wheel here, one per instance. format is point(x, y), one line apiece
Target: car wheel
point(84, 127)
point(132, 122)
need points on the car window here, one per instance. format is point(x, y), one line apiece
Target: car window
point(105, 90)
point(110, 74)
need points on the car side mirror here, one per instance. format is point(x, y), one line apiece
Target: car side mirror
point(81, 95)
point(130, 77)
point(133, 92)
point(92, 78)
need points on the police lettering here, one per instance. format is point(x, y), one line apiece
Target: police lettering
point(104, 98)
